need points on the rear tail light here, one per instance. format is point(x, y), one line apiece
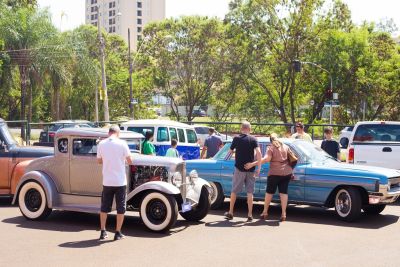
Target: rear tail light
point(52, 134)
point(350, 157)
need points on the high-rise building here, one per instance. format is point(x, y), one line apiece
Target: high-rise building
point(116, 16)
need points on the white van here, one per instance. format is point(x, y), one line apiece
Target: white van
point(164, 131)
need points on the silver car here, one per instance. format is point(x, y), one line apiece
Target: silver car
point(71, 179)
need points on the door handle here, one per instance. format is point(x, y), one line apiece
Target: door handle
point(387, 149)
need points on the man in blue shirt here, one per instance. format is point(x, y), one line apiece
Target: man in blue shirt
point(212, 144)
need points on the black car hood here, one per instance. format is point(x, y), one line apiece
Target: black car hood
point(32, 152)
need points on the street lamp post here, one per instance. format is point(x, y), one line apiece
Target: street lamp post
point(103, 69)
point(130, 77)
point(298, 63)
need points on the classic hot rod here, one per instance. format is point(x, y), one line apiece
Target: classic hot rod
point(158, 187)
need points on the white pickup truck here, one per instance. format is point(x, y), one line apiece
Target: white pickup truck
point(375, 143)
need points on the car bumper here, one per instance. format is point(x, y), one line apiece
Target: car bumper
point(384, 196)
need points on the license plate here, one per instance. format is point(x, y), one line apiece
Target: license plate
point(186, 207)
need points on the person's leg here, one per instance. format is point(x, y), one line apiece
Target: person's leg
point(232, 203)
point(106, 204)
point(283, 193)
point(120, 221)
point(267, 202)
point(250, 204)
point(284, 202)
point(237, 186)
point(271, 189)
point(103, 220)
point(250, 182)
point(120, 201)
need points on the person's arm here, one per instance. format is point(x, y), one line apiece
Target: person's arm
point(338, 152)
point(258, 156)
point(204, 150)
point(265, 159)
point(127, 154)
point(99, 156)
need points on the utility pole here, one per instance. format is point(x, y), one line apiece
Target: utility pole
point(131, 111)
point(103, 69)
point(96, 97)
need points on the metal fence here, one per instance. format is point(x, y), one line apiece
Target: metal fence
point(31, 131)
point(265, 129)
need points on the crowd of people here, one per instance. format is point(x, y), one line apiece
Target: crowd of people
point(113, 154)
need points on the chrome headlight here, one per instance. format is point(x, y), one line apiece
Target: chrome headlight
point(193, 175)
point(177, 179)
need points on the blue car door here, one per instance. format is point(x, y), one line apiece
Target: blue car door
point(296, 186)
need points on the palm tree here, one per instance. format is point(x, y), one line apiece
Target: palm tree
point(23, 31)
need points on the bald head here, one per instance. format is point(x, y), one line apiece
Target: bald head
point(246, 127)
point(114, 130)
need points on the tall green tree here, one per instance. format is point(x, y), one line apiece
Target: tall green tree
point(23, 31)
point(190, 63)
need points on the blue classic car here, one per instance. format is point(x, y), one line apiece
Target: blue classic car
point(319, 180)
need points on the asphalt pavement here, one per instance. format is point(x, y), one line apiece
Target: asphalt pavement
point(311, 237)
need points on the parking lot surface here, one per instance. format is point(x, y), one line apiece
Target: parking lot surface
point(310, 237)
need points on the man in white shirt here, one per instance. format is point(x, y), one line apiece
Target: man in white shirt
point(113, 153)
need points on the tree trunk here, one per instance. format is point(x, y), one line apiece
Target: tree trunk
point(57, 93)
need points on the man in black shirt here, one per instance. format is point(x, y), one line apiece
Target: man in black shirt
point(329, 145)
point(245, 147)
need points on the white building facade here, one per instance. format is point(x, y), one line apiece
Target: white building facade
point(116, 16)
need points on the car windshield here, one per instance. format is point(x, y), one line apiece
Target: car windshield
point(310, 152)
point(134, 145)
point(8, 138)
point(222, 154)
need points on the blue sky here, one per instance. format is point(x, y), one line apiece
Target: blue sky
point(370, 10)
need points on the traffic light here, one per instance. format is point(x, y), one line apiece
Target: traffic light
point(329, 93)
point(297, 65)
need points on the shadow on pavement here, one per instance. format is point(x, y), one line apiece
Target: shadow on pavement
point(67, 221)
point(5, 201)
point(299, 214)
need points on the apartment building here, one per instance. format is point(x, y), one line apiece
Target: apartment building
point(116, 16)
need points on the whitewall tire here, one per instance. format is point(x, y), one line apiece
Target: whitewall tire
point(158, 211)
point(33, 202)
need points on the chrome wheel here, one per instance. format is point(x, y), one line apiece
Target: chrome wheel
point(213, 193)
point(343, 203)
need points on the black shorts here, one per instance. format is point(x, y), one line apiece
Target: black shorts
point(280, 182)
point(108, 196)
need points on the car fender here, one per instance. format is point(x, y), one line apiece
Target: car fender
point(194, 191)
point(44, 180)
point(159, 186)
point(17, 173)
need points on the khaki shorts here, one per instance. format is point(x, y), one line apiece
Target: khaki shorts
point(241, 179)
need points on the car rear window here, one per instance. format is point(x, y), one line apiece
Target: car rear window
point(377, 133)
point(201, 130)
